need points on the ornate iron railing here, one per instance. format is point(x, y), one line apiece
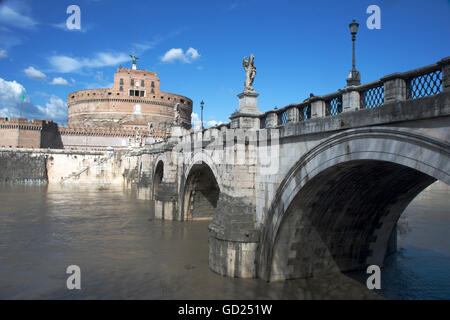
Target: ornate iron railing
point(282, 118)
point(263, 122)
point(333, 106)
point(423, 85)
point(372, 97)
point(304, 112)
point(421, 82)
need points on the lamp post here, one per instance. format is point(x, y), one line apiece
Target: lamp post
point(354, 78)
point(201, 106)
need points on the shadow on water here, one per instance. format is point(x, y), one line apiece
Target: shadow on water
point(123, 252)
point(420, 267)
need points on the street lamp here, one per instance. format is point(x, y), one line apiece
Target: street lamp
point(354, 78)
point(201, 106)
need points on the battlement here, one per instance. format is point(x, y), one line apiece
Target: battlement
point(24, 123)
point(112, 132)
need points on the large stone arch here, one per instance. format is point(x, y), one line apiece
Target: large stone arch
point(318, 220)
point(200, 188)
point(158, 173)
point(203, 157)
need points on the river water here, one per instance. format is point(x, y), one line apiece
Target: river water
point(124, 253)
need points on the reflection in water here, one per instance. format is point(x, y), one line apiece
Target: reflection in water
point(420, 268)
point(124, 253)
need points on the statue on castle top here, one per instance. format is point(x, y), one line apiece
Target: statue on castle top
point(250, 73)
point(134, 59)
point(176, 118)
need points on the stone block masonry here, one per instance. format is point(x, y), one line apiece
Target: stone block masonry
point(21, 167)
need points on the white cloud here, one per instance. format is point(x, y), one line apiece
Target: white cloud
point(12, 17)
point(12, 105)
point(197, 122)
point(34, 73)
point(10, 93)
point(65, 64)
point(55, 108)
point(177, 54)
point(59, 80)
point(3, 54)
point(213, 123)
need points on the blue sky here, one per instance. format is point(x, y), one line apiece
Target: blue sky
point(300, 47)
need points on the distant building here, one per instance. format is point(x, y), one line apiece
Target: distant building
point(135, 100)
point(127, 114)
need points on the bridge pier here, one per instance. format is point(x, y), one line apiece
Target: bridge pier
point(233, 239)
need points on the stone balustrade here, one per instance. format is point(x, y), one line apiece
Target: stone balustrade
point(414, 84)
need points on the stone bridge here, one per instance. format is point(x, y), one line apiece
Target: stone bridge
point(314, 187)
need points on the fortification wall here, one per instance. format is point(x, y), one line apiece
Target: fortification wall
point(19, 132)
point(76, 166)
point(21, 167)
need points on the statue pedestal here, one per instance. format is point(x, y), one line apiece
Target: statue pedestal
point(176, 132)
point(248, 115)
point(248, 102)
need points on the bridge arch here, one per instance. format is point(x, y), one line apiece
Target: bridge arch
point(338, 205)
point(200, 189)
point(158, 173)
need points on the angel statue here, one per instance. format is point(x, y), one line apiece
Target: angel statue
point(250, 72)
point(134, 59)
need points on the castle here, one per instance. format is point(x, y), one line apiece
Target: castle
point(133, 110)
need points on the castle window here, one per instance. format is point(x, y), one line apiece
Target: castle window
point(131, 93)
point(141, 93)
point(132, 82)
point(162, 97)
point(121, 81)
point(121, 88)
point(153, 84)
point(168, 98)
point(109, 93)
point(136, 93)
point(73, 97)
point(182, 100)
point(142, 83)
point(153, 91)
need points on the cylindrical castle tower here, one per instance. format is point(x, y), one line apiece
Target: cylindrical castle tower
point(135, 100)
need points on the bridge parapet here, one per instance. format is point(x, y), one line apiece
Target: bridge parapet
point(414, 84)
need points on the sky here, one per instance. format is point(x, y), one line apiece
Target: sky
point(197, 47)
